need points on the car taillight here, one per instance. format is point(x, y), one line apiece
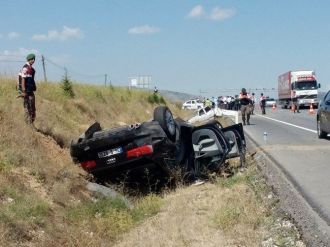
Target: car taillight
point(140, 151)
point(88, 164)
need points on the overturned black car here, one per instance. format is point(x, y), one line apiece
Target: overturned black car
point(163, 143)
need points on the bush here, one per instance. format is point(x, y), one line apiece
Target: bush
point(156, 99)
point(67, 87)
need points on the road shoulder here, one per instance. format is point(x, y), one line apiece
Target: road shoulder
point(314, 229)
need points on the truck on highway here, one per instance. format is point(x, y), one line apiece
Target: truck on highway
point(301, 86)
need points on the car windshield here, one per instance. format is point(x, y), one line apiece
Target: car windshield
point(270, 99)
point(305, 85)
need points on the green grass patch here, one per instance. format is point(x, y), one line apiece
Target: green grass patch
point(22, 208)
point(146, 207)
point(9, 158)
point(244, 205)
point(250, 177)
point(110, 217)
point(244, 211)
point(98, 208)
point(234, 180)
point(229, 215)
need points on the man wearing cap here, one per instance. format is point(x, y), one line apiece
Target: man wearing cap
point(246, 106)
point(27, 87)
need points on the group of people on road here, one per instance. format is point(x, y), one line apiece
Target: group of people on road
point(243, 102)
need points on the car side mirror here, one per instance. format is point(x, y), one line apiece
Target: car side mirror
point(319, 85)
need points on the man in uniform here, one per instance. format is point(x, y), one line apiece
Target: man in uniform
point(246, 106)
point(294, 100)
point(27, 87)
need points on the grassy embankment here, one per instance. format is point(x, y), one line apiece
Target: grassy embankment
point(43, 200)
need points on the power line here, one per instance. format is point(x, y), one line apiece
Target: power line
point(86, 75)
point(55, 64)
point(12, 61)
point(15, 58)
point(72, 71)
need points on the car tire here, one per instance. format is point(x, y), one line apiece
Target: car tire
point(164, 117)
point(320, 133)
point(92, 129)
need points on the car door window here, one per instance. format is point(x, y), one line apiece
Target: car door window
point(327, 99)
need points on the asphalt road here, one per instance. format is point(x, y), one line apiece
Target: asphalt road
point(292, 142)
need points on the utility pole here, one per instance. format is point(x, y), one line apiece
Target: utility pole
point(44, 67)
point(105, 79)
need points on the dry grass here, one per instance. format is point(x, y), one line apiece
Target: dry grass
point(226, 212)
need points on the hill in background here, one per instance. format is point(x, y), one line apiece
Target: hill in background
point(177, 96)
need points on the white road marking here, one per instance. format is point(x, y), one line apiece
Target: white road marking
point(293, 125)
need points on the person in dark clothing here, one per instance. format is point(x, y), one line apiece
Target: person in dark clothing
point(155, 90)
point(246, 106)
point(237, 105)
point(263, 103)
point(27, 87)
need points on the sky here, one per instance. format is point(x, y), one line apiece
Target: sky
point(204, 47)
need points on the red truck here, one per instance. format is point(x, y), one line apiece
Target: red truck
point(300, 85)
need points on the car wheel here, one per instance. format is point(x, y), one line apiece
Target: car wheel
point(164, 117)
point(320, 133)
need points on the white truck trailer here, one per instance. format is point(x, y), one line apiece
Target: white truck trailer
point(301, 85)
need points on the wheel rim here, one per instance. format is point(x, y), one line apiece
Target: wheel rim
point(170, 123)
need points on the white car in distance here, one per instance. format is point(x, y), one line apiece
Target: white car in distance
point(270, 102)
point(192, 104)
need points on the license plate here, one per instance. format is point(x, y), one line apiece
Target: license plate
point(110, 152)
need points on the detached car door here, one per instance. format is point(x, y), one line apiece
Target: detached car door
point(213, 144)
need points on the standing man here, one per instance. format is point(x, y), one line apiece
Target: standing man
point(253, 98)
point(294, 100)
point(155, 90)
point(27, 87)
point(263, 103)
point(246, 106)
